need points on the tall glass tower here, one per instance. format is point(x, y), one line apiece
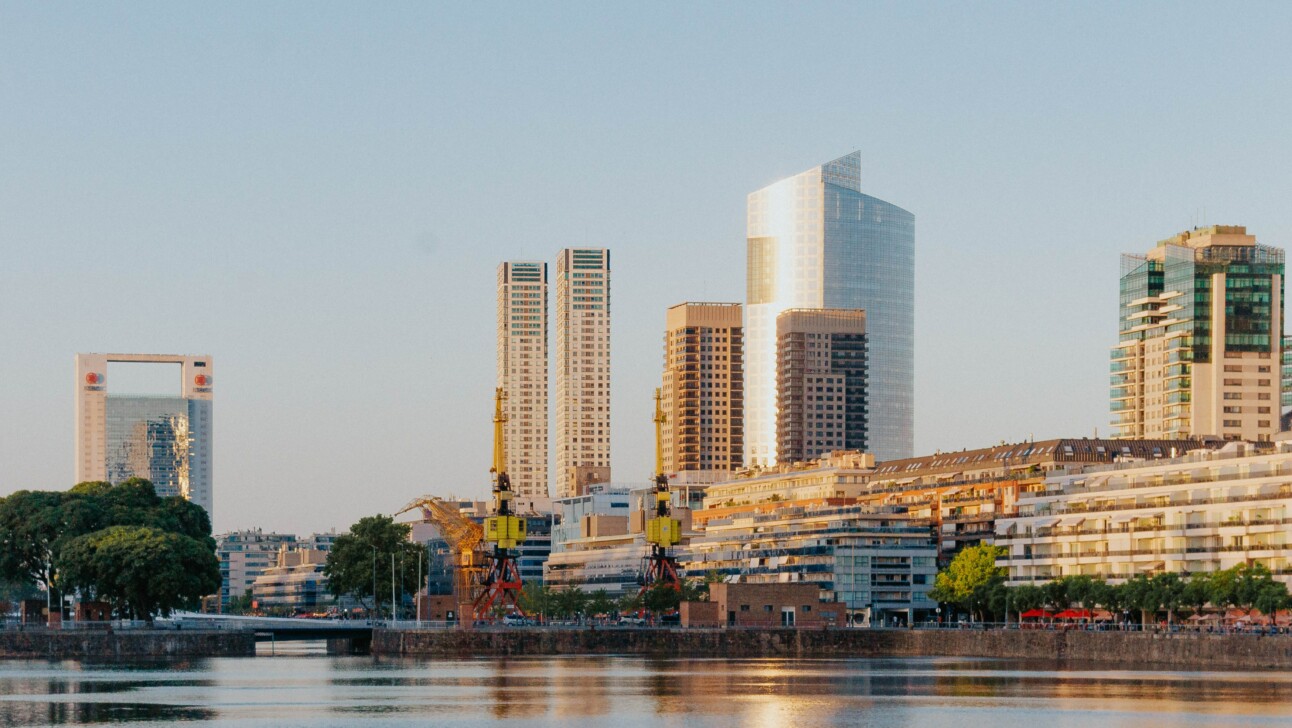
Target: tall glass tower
point(815, 241)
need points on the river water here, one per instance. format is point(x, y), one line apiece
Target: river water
point(299, 686)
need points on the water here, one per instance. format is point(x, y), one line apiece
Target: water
point(302, 687)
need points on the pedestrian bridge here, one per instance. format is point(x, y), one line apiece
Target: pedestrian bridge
point(272, 628)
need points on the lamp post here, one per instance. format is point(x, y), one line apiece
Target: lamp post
point(372, 618)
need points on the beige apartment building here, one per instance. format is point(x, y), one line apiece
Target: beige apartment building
point(522, 373)
point(582, 370)
point(820, 383)
point(703, 388)
point(1205, 511)
point(1201, 338)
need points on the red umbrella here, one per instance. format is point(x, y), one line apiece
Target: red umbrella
point(1034, 614)
point(1073, 614)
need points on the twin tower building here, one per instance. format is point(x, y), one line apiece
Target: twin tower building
point(821, 357)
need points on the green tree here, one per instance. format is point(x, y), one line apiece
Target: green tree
point(1272, 598)
point(31, 524)
point(1197, 592)
point(571, 601)
point(1025, 598)
point(969, 579)
point(1250, 580)
point(1140, 594)
point(367, 552)
point(661, 598)
point(242, 604)
point(631, 602)
point(1169, 590)
point(141, 571)
point(600, 602)
point(536, 599)
point(1056, 594)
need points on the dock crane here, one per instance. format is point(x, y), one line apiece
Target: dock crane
point(662, 530)
point(505, 530)
point(463, 536)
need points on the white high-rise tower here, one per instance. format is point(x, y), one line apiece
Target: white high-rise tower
point(582, 369)
point(522, 374)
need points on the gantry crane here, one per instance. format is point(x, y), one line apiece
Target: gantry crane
point(503, 529)
point(463, 537)
point(662, 531)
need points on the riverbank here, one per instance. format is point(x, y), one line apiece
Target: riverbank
point(1177, 651)
point(102, 645)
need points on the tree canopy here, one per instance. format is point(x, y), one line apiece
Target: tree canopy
point(368, 548)
point(970, 578)
point(83, 532)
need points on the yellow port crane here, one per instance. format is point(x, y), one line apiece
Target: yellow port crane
point(504, 529)
point(463, 537)
point(662, 530)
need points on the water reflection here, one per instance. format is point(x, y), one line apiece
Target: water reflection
point(316, 690)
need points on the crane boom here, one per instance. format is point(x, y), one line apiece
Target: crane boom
point(463, 536)
point(663, 531)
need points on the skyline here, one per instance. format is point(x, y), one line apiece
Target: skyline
point(179, 196)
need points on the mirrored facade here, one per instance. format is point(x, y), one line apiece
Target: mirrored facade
point(165, 439)
point(816, 241)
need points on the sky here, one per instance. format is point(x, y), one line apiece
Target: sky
point(318, 196)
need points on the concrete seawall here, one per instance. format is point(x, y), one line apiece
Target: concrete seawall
point(1176, 651)
point(85, 644)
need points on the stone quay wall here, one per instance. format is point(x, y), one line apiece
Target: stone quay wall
point(1182, 651)
point(94, 644)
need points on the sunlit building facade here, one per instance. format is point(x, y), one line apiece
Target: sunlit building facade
point(703, 388)
point(816, 241)
point(582, 369)
point(522, 374)
point(1201, 334)
point(164, 439)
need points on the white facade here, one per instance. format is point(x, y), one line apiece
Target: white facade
point(244, 556)
point(582, 369)
point(164, 439)
point(1204, 512)
point(816, 241)
point(522, 374)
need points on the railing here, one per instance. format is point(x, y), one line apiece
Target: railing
point(1062, 532)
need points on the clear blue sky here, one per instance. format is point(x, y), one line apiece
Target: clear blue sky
point(318, 195)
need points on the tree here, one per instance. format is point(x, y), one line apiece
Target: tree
point(1056, 594)
point(1197, 592)
point(571, 601)
point(37, 529)
point(141, 571)
point(1027, 597)
point(1139, 593)
point(31, 524)
point(630, 602)
point(600, 602)
point(969, 578)
point(1250, 580)
point(661, 598)
point(1168, 590)
point(1272, 598)
point(366, 552)
point(537, 599)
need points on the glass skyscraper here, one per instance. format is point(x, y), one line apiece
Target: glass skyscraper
point(165, 439)
point(816, 241)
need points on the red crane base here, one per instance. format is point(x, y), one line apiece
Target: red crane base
point(502, 588)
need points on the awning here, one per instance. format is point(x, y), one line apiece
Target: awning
point(1072, 521)
point(1044, 522)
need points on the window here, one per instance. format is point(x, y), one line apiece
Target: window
point(744, 607)
point(1233, 423)
point(767, 607)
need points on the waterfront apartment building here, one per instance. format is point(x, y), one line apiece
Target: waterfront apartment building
point(703, 388)
point(1205, 511)
point(244, 556)
point(592, 545)
point(820, 382)
point(294, 583)
point(522, 374)
point(165, 439)
point(816, 241)
point(1200, 349)
point(963, 493)
point(879, 562)
point(582, 369)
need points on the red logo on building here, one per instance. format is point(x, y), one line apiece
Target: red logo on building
point(93, 378)
point(202, 380)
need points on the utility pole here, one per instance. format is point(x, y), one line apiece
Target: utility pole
point(375, 609)
point(394, 605)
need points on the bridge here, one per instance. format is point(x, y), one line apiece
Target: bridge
point(277, 629)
